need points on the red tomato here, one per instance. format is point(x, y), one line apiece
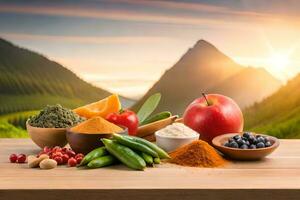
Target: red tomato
point(125, 118)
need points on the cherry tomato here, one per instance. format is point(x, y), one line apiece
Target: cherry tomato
point(125, 118)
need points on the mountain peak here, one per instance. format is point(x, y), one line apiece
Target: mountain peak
point(204, 44)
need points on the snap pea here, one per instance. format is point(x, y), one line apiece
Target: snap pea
point(156, 160)
point(96, 153)
point(124, 154)
point(161, 153)
point(134, 145)
point(148, 159)
point(102, 162)
point(157, 117)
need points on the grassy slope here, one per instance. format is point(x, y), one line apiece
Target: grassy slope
point(30, 81)
point(279, 114)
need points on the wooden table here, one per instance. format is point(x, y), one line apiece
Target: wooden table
point(276, 177)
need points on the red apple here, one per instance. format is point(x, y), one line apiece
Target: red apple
point(213, 115)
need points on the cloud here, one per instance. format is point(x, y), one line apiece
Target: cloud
point(86, 39)
point(113, 14)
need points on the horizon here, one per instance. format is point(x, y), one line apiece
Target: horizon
point(124, 46)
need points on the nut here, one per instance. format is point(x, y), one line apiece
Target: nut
point(33, 161)
point(48, 164)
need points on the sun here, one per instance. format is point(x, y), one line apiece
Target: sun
point(278, 61)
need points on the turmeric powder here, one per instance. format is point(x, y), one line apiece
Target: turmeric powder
point(96, 125)
point(197, 154)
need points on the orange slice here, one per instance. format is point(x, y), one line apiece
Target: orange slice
point(100, 108)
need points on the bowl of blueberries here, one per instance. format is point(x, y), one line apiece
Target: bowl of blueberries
point(246, 145)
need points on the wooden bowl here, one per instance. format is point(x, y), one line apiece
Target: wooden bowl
point(86, 142)
point(50, 137)
point(243, 154)
point(150, 129)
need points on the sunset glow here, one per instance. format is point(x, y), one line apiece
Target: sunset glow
point(126, 45)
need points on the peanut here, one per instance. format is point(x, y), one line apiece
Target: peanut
point(48, 164)
point(33, 161)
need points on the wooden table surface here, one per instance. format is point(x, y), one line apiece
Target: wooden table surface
point(275, 177)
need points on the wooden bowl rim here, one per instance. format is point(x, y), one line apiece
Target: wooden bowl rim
point(228, 135)
point(53, 129)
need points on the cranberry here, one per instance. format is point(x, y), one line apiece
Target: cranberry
point(71, 153)
point(57, 154)
point(79, 159)
point(46, 149)
point(80, 155)
point(59, 160)
point(72, 162)
point(65, 158)
point(13, 158)
point(56, 148)
point(21, 158)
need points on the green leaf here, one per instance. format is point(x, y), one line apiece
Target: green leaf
point(148, 107)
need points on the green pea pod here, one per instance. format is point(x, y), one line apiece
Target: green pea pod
point(96, 153)
point(124, 154)
point(161, 153)
point(102, 162)
point(156, 160)
point(134, 145)
point(147, 158)
point(157, 117)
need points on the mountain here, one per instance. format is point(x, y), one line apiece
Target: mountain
point(247, 85)
point(204, 68)
point(279, 114)
point(29, 81)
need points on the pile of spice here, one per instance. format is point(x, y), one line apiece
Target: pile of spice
point(55, 116)
point(197, 154)
point(96, 125)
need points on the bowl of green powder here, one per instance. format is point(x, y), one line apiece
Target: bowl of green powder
point(48, 128)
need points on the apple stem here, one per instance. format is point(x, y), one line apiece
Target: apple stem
point(204, 95)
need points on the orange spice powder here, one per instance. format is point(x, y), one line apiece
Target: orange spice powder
point(197, 154)
point(96, 125)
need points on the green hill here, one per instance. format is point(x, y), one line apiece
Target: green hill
point(29, 81)
point(279, 114)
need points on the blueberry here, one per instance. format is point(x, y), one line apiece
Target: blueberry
point(252, 139)
point(226, 144)
point(233, 145)
point(252, 146)
point(246, 134)
point(260, 139)
point(260, 145)
point(268, 144)
point(247, 143)
point(244, 138)
point(244, 146)
point(240, 142)
point(266, 139)
point(230, 140)
point(236, 137)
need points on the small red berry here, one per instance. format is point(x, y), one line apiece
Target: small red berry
point(71, 153)
point(56, 148)
point(57, 154)
point(13, 158)
point(72, 162)
point(46, 149)
point(80, 155)
point(59, 160)
point(79, 159)
point(65, 158)
point(21, 158)
point(64, 149)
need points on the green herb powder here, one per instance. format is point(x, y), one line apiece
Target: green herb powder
point(55, 116)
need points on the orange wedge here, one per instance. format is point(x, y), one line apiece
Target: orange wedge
point(100, 108)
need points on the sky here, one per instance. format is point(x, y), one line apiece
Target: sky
point(125, 46)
